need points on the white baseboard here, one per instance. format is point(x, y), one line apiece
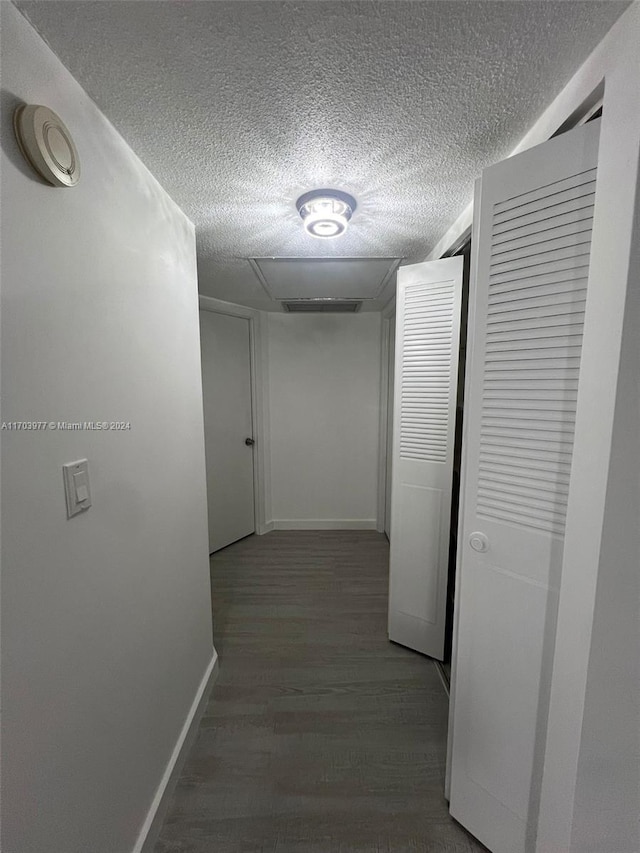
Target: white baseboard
point(160, 803)
point(324, 524)
point(264, 528)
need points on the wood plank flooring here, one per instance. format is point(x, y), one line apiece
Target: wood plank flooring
point(321, 736)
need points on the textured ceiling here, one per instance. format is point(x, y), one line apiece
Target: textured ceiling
point(239, 107)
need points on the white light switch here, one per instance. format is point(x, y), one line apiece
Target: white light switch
point(76, 486)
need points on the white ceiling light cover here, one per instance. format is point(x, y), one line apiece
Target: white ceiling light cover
point(326, 213)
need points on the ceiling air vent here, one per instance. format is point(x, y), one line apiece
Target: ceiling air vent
point(322, 306)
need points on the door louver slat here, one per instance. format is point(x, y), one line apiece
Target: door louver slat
point(426, 371)
point(537, 292)
point(508, 222)
point(557, 239)
point(548, 227)
point(575, 182)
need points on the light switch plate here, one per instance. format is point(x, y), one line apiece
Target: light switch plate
point(76, 486)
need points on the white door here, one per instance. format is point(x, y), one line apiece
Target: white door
point(392, 356)
point(426, 370)
point(532, 238)
point(226, 389)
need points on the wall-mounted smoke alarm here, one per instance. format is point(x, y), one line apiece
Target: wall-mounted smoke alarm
point(47, 145)
point(326, 213)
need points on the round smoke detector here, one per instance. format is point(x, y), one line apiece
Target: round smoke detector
point(326, 213)
point(47, 145)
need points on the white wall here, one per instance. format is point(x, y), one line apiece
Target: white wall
point(106, 617)
point(607, 803)
point(595, 572)
point(324, 401)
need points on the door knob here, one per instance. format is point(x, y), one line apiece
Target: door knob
point(479, 541)
point(249, 442)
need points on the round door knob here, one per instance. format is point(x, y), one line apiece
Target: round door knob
point(249, 442)
point(479, 541)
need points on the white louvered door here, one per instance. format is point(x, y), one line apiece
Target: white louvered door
point(426, 370)
point(533, 237)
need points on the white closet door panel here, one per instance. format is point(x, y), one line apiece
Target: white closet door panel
point(529, 289)
point(226, 391)
point(390, 398)
point(426, 364)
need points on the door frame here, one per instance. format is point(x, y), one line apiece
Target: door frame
point(258, 355)
point(388, 317)
point(612, 67)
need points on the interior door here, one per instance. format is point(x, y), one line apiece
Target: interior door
point(392, 354)
point(426, 365)
point(532, 237)
point(226, 389)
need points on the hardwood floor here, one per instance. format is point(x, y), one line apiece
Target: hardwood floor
point(321, 736)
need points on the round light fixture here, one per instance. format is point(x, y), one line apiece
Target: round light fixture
point(326, 213)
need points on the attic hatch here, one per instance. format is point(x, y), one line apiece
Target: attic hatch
point(342, 279)
point(322, 306)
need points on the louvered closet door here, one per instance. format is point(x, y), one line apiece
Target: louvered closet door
point(426, 369)
point(532, 241)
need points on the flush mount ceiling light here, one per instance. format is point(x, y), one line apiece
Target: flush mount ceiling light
point(325, 213)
